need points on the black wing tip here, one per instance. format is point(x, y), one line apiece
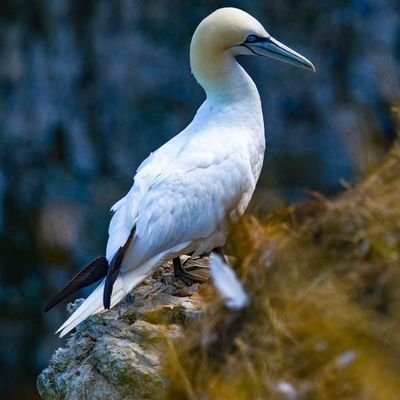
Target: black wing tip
point(112, 275)
point(108, 287)
point(48, 306)
point(107, 294)
point(94, 271)
point(107, 303)
point(58, 298)
point(113, 271)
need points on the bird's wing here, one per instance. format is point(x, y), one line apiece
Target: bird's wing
point(121, 225)
point(126, 210)
point(191, 201)
point(181, 193)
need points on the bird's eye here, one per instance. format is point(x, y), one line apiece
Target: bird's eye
point(251, 39)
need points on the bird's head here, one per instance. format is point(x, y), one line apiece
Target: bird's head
point(230, 31)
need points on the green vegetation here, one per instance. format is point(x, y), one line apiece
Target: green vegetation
point(324, 278)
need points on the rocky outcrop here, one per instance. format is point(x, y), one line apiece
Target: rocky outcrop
point(117, 355)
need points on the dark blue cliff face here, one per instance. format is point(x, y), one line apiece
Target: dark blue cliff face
point(88, 89)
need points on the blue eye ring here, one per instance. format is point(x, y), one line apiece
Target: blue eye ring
point(252, 39)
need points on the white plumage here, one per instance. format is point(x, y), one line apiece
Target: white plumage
point(228, 285)
point(185, 194)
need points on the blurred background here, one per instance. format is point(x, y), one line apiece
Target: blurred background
point(89, 89)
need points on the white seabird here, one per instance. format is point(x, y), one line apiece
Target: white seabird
point(186, 193)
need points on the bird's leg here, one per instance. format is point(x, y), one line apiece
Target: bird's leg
point(192, 264)
point(184, 273)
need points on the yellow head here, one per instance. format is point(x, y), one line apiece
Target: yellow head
point(229, 32)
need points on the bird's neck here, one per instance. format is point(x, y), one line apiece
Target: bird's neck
point(223, 78)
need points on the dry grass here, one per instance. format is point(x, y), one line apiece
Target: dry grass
point(324, 279)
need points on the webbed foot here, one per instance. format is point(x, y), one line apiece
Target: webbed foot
point(184, 270)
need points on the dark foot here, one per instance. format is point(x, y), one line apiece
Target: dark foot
point(184, 272)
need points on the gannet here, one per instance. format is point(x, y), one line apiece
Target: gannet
point(186, 193)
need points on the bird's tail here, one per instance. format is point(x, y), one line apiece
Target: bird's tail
point(125, 282)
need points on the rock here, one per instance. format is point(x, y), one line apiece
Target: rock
point(117, 355)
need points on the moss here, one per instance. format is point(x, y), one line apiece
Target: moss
point(324, 278)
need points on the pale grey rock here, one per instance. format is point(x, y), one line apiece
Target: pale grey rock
point(118, 354)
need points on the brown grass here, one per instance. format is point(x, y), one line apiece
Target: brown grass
point(324, 279)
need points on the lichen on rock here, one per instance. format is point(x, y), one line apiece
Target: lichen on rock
point(117, 354)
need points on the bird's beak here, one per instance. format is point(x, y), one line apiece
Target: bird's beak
point(270, 47)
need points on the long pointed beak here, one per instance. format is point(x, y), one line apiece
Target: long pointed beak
point(270, 47)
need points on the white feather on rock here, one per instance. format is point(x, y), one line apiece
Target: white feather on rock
point(228, 285)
